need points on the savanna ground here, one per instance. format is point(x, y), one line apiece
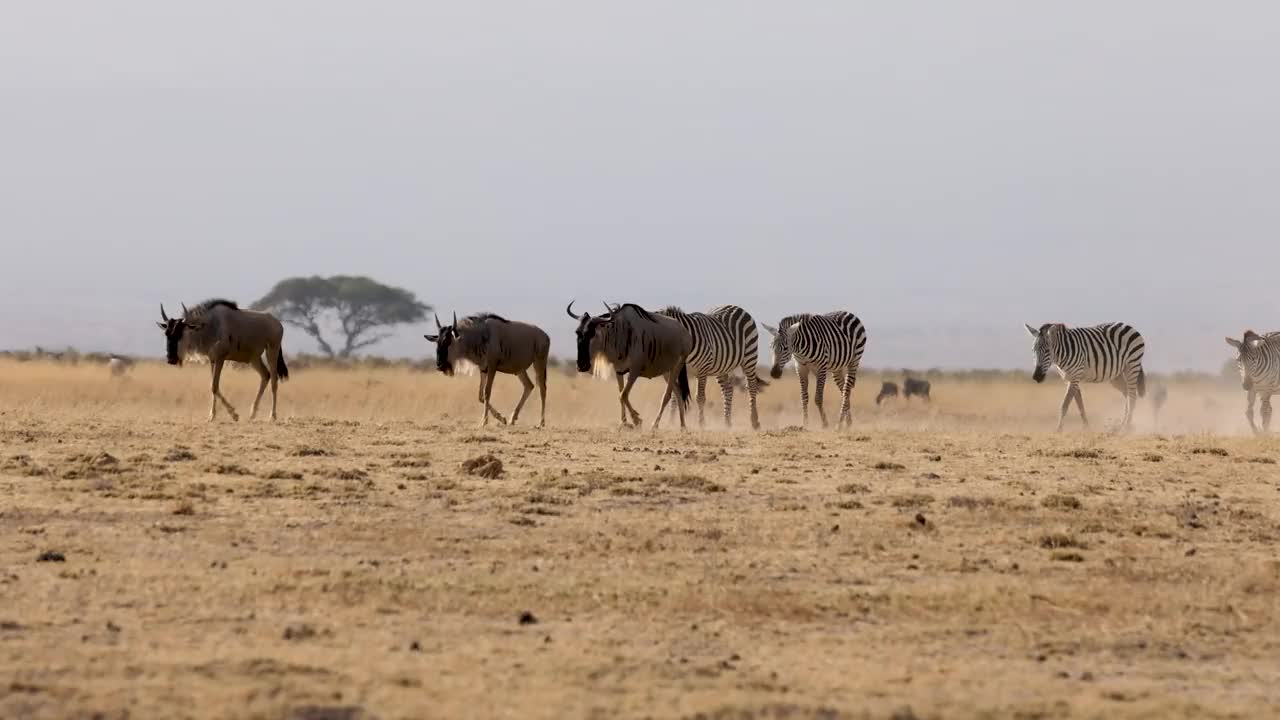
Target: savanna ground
point(951, 561)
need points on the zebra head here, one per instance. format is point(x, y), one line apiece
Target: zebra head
point(175, 330)
point(1041, 348)
point(1251, 358)
point(446, 344)
point(589, 335)
point(779, 346)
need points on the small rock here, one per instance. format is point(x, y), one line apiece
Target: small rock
point(1086, 676)
point(112, 627)
point(921, 520)
point(415, 646)
point(51, 556)
point(527, 618)
point(1190, 552)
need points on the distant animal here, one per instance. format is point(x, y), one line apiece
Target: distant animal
point(634, 341)
point(220, 331)
point(820, 344)
point(913, 386)
point(1111, 352)
point(495, 345)
point(724, 340)
point(119, 364)
point(887, 390)
point(1159, 393)
point(1258, 359)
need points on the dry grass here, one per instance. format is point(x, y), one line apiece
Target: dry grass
point(953, 560)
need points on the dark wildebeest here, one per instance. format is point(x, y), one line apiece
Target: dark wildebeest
point(633, 340)
point(495, 345)
point(220, 331)
point(887, 390)
point(912, 386)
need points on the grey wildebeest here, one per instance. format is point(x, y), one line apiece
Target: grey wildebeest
point(913, 386)
point(887, 390)
point(220, 331)
point(639, 343)
point(495, 345)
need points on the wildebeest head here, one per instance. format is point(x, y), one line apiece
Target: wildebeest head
point(448, 347)
point(175, 329)
point(1044, 359)
point(780, 347)
point(1248, 357)
point(589, 335)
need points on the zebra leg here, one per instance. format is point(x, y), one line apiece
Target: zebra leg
point(1084, 419)
point(217, 394)
point(817, 395)
point(1248, 411)
point(528, 390)
point(753, 387)
point(804, 393)
point(264, 375)
point(1066, 403)
point(726, 389)
point(702, 397)
point(846, 408)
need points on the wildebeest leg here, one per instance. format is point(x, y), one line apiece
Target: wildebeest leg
point(217, 394)
point(817, 395)
point(1266, 412)
point(274, 358)
point(702, 398)
point(803, 372)
point(540, 373)
point(264, 375)
point(666, 398)
point(528, 390)
point(726, 388)
point(1248, 411)
point(621, 402)
point(625, 399)
point(488, 393)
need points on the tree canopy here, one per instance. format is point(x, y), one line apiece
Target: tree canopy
point(360, 307)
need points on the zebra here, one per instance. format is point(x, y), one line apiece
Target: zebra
point(820, 343)
point(1111, 352)
point(1259, 362)
point(724, 340)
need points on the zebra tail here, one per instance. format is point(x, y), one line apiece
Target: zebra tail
point(282, 370)
point(1142, 383)
point(683, 381)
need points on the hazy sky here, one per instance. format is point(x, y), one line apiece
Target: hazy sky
point(945, 170)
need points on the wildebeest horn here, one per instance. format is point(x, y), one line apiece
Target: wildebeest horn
point(455, 318)
point(437, 317)
point(162, 315)
point(185, 311)
point(607, 308)
point(569, 310)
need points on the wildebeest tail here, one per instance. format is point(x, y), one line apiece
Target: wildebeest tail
point(282, 370)
point(683, 381)
point(1142, 383)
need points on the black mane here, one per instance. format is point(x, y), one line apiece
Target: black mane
point(208, 305)
point(643, 313)
point(481, 317)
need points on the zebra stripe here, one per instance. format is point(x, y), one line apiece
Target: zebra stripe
point(1111, 352)
point(724, 340)
point(1259, 365)
point(833, 343)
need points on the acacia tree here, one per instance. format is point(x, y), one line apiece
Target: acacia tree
point(360, 307)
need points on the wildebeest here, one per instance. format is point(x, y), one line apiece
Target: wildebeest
point(495, 345)
point(639, 343)
point(913, 386)
point(220, 331)
point(119, 364)
point(887, 390)
point(1159, 393)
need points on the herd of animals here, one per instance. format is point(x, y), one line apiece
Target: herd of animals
point(633, 342)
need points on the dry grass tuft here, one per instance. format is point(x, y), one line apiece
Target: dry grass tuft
point(485, 466)
point(1060, 540)
point(1062, 502)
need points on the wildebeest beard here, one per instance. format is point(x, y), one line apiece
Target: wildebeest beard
point(173, 340)
point(443, 364)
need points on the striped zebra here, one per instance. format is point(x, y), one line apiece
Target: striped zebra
point(1111, 352)
point(724, 340)
point(820, 344)
point(1259, 364)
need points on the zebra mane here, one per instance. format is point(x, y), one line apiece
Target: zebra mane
point(672, 310)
